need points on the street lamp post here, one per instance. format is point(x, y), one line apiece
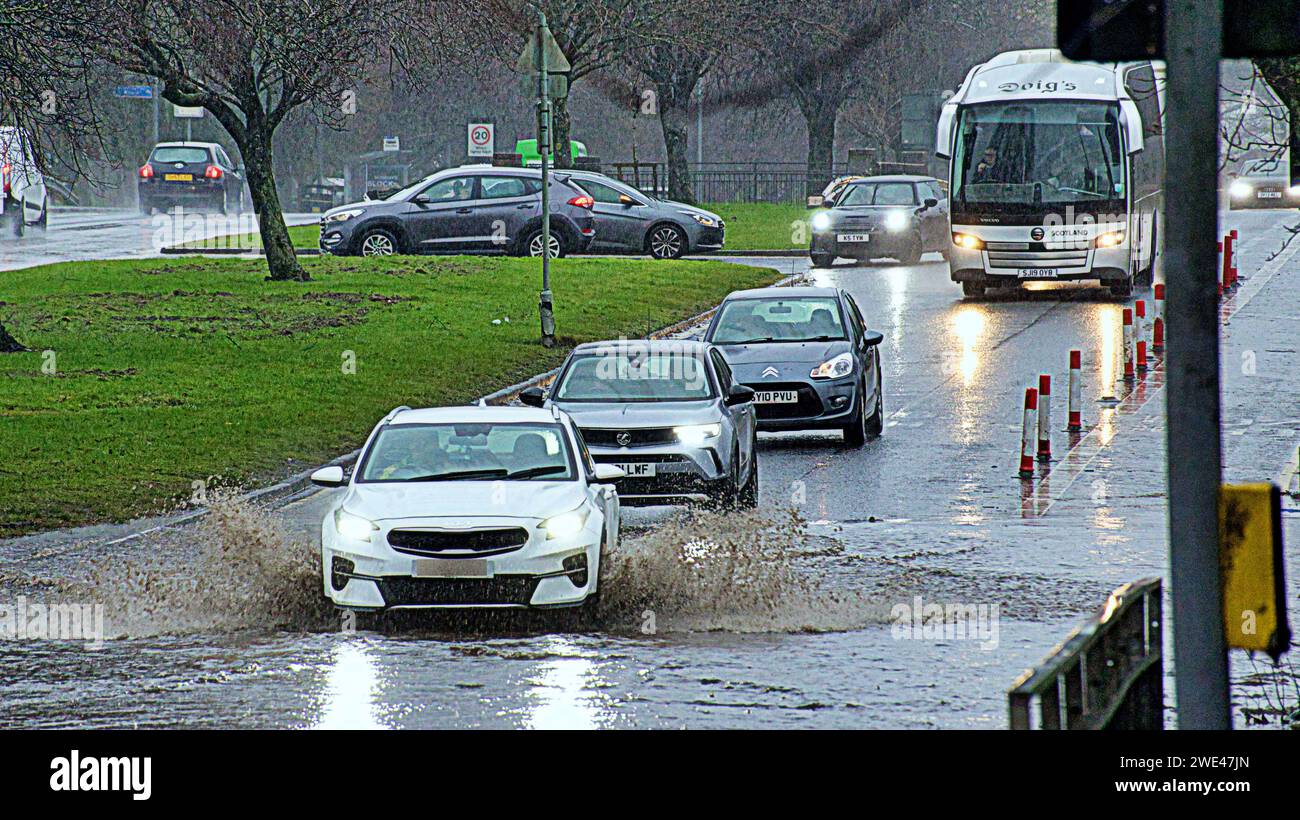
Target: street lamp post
point(546, 306)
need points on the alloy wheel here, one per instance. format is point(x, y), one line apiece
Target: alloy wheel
point(377, 244)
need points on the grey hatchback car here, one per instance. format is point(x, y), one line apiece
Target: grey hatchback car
point(668, 413)
point(807, 355)
point(471, 209)
point(632, 221)
point(899, 217)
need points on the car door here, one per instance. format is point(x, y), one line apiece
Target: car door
point(621, 217)
point(934, 221)
point(742, 414)
point(505, 205)
point(604, 496)
point(234, 181)
point(440, 218)
point(864, 354)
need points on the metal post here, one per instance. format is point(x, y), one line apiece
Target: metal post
point(155, 93)
point(546, 305)
point(1193, 41)
point(699, 126)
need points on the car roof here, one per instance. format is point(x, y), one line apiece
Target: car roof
point(893, 178)
point(184, 144)
point(796, 292)
point(690, 346)
point(500, 170)
point(473, 414)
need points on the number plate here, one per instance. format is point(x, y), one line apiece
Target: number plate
point(641, 469)
point(1269, 194)
point(1038, 273)
point(853, 237)
point(776, 397)
point(451, 568)
point(178, 177)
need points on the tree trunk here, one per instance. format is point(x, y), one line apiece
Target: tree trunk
point(821, 145)
point(8, 344)
point(674, 118)
point(280, 256)
point(563, 151)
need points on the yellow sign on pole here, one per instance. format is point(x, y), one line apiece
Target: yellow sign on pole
point(1250, 559)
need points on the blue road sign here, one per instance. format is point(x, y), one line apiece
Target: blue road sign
point(139, 92)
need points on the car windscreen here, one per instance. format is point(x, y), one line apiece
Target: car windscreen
point(879, 193)
point(469, 452)
point(178, 154)
point(635, 376)
point(801, 319)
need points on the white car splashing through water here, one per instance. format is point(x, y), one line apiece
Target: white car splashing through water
point(469, 507)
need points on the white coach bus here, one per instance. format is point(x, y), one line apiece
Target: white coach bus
point(1056, 171)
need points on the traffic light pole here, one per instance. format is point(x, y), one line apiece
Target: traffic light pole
point(546, 306)
point(1193, 42)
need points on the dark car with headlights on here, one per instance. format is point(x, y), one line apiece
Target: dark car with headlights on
point(668, 413)
point(898, 217)
point(807, 355)
point(192, 174)
point(631, 221)
point(471, 209)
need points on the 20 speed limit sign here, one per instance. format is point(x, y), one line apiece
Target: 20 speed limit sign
point(482, 139)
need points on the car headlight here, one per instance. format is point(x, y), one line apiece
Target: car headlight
point(836, 368)
point(965, 240)
point(821, 221)
point(1110, 239)
point(696, 434)
point(353, 527)
point(566, 524)
point(1240, 188)
point(706, 221)
point(343, 216)
point(896, 221)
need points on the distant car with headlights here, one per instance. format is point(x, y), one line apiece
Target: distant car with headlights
point(1263, 192)
point(668, 414)
point(898, 216)
point(470, 209)
point(191, 174)
point(631, 221)
point(469, 507)
point(808, 356)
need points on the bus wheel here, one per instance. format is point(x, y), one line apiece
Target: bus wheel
point(972, 288)
point(1123, 289)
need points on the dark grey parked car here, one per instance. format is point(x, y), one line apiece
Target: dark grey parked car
point(471, 209)
point(668, 413)
point(632, 221)
point(899, 217)
point(807, 355)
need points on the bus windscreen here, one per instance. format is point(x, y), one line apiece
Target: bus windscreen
point(1020, 158)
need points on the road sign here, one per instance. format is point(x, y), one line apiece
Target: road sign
point(556, 62)
point(135, 92)
point(392, 144)
point(186, 112)
point(1107, 30)
point(1250, 557)
point(481, 139)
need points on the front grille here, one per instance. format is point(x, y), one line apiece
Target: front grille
point(809, 404)
point(448, 543)
point(645, 437)
point(504, 589)
point(1072, 258)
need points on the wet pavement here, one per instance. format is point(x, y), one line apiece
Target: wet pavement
point(932, 510)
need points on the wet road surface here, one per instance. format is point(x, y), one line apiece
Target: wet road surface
point(932, 510)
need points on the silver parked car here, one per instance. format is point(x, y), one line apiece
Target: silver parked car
point(632, 221)
point(668, 414)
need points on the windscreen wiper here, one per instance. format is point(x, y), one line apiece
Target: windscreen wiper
point(464, 475)
point(534, 472)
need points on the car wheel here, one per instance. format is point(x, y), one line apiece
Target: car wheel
point(533, 245)
point(822, 260)
point(972, 289)
point(855, 432)
point(876, 421)
point(667, 242)
point(591, 605)
point(15, 219)
point(747, 498)
point(728, 497)
point(378, 242)
point(911, 254)
point(146, 208)
point(44, 221)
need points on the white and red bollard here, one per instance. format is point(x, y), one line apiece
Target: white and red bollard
point(1232, 258)
point(1044, 417)
point(1223, 263)
point(1225, 284)
point(1129, 373)
point(1158, 325)
point(1076, 384)
point(1028, 432)
point(1139, 326)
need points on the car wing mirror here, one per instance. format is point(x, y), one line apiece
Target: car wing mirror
point(609, 472)
point(533, 397)
point(739, 394)
point(331, 476)
point(931, 202)
point(626, 201)
point(871, 338)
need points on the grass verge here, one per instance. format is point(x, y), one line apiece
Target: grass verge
point(148, 375)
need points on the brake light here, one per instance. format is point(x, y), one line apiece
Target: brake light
point(212, 172)
point(583, 201)
point(6, 169)
point(146, 172)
